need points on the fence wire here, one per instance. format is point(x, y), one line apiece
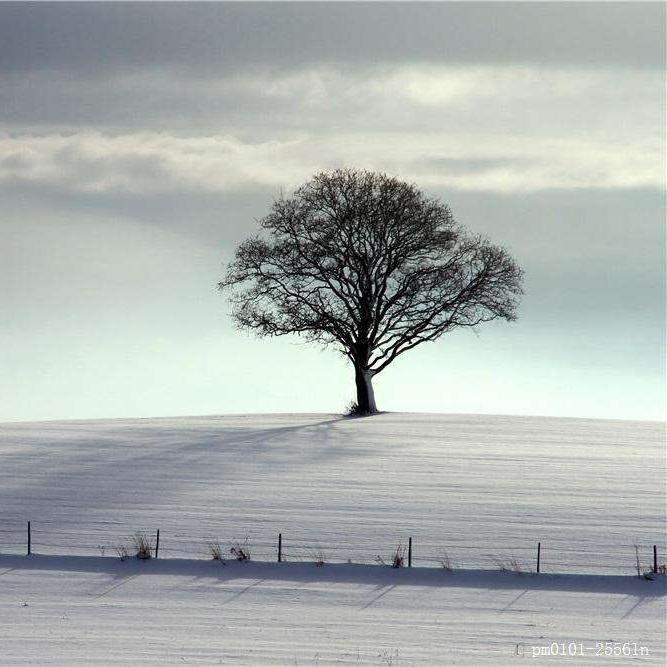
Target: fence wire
point(108, 538)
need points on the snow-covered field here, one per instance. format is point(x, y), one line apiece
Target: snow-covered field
point(476, 489)
point(96, 610)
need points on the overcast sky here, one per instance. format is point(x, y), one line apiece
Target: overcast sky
point(139, 143)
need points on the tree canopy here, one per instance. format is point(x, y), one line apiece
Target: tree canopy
point(370, 265)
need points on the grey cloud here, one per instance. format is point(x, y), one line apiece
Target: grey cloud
point(233, 36)
point(470, 166)
point(261, 105)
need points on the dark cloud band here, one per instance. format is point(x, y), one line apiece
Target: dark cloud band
point(230, 36)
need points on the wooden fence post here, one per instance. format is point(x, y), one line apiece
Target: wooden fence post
point(29, 540)
point(655, 559)
point(280, 547)
point(157, 542)
point(539, 550)
point(409, 552)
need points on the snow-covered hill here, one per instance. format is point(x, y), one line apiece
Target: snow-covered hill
point(479, 490)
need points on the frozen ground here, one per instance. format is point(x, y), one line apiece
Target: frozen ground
point(479, 489)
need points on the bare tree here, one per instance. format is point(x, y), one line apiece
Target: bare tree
point(370, 265)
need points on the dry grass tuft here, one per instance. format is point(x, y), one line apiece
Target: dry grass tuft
point(446, 562)
point(216, 550)
point(143, 546)
point(397, 559)
point(318, 557)
point(509, 565)
point(122, 551)
point(241, 550)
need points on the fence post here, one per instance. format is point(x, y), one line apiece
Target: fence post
point(655, 559)
point(157, 542)
point(29, 540)
point(280, 547)
point(539, 550)
point(409, 552)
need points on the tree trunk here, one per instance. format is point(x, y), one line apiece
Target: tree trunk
point(365, 396)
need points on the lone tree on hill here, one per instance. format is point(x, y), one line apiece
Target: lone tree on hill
point(370, 265)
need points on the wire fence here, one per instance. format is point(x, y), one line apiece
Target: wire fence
point(549, 555)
